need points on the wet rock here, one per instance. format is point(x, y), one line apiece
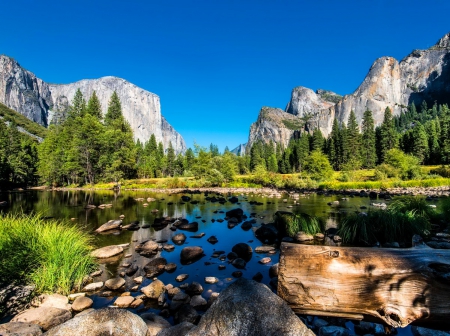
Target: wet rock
point(182, 277)
point(194, 289)
point(114, 283)
point(243, 251)
point(73, 296)
point(93, 287)
point(124, 301)
point(132, 270)
point(239, 263)
point(222, 267)
point(110, 225)
point(420, 331)
point(155, 267)
point(154, 290)
point(265, 260)
point(179, 330)
point(333, 331)
point(138, 279)
point(191, 254)
point(179, 239)
point(53, 300)
point(45, 317)
point(273, 271)
point(197, 236)
point(198, 302)
point(213, 240)
point(232, 256)
point(168, 247)
point(258, 277)
point(235, 213)
point(189, 226)
point(170, 267)
point(303, 237)
point(236, 274)
point(155, 323)
point(211, 280)
point(148, 248)
point(267, 234)
point(264, 249)
point(247, 225)
point(233, 199)
point(107, 252)
point(186, 313)
point(82, 303)
point(105, 321)
point(20, 329)
point(250, 309)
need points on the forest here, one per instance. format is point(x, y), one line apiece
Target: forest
point(83, 147)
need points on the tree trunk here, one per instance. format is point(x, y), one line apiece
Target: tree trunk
point(398, 286)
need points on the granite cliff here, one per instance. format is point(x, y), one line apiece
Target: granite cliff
point(43, 103)
point(422, 75)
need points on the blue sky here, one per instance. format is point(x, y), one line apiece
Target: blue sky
point(215, 63)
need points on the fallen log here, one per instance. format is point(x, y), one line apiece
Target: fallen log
point(397, 286)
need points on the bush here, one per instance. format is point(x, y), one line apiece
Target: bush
point(290, 224)
point(407, 165)
point(441, 171)
point(53, 255)
point(318, 166)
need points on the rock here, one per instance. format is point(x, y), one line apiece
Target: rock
point(179, 330)
point(247, 225)
point(179, 239)
point(170, 267)
point(267, 234)
point(72, 297)
point(186, 313)
point(273, 271)
point(189, 226)
point(168, 247)
point(154, 290)
point(302, 237)
point(147, 249)
point(20, 329)
point(107, 251)
point(155, 323)
point(136, 303)
point(213, 240)
point(243, 251)
point(190, 254)
point(258, 277)
point(333, 331)
point(194, 289)
point(235, 213)
point(82, 303)
point(110, 225)
point(53, 300)
point(211, 280)
point(181, 297)
point(420, 331)
point(45, 317)
point(233, 199)
point(114, 283)
point(239, 263)
point(264, 249)
point(236, 274)
point(124, 301)
point(139, 279)
point(265, 260)
point(132, 270)
point(185, 198)
point(232, 256)
point(181, 277)
point(249, 308)
point(93, 287)
point(155, 267)
point(319, 236)
point(105, 321)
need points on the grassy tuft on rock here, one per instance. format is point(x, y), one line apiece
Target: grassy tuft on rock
point(52, 255)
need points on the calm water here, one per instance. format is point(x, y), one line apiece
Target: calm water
point(70, 204)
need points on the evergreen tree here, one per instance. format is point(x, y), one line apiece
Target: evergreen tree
point(333, 148)
point(434, 150)
point(317, 140)
point(114, 112)
point(343, 147)
point(170, 160)
point(388, 135)
point(214, 149)
point(368, 141)
point(190, 158)
point(353, 138)
point(78, 106)
point(94, 107)
point(419, 146)
point(226, 150)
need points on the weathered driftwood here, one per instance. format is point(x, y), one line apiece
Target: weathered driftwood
point(398, 286)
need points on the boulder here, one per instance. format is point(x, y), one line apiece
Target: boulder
point(155, 323)
point(20, 328)
point(267, 234)
point(198, 302)
point(170, 267)
point(93, 287)
point(82, 303)
point(190, 254)
point(107, 252)
point(235, 213)
point(105, 321)
point(15, 298)
point(239, 263)
point(155, 267)
point(194, 289)
point(124, 301)
point(147, 249)
point(179, 239)
point(181, 277)
point(243, 251)
point(178, 330)
point(114, 283)
point(189, 226)
point(53, 300)
point(249, 308)
point(110, 225)
point(154, 290)
point(45, 317)
point(186, 313)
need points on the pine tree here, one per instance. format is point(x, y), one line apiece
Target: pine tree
point(78, 106)
point(431, 129)
point(368, 141)
point(189, 157)
point(317, 140)
point(343, 146)
point(419, 146)
point(353, 138)
point(388, 135)
point(114, 112)
point(94, 107)
point(333, 145)
point(170, 160)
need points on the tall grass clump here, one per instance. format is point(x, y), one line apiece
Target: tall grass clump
point(290, 224)
point(384, 226)
point(415, 204)
point(53, 255)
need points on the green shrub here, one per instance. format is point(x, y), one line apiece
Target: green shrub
point(53, 255)
point(441, 171)
point(290, 224)
point(407, 165)
point(318, 166)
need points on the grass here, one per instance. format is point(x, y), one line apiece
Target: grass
point(52, 255)
point(22, 121)
point(290, 224)
point(404, 218)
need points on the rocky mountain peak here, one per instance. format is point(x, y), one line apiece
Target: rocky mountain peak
point(443, 43)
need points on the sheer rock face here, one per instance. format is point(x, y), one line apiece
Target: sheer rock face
point(140, 108)
point(23, 92)
point(422, 75)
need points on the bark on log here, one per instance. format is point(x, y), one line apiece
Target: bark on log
point(398, 286)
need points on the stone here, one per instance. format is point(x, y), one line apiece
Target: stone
point(258, 277)
point(193, 226)
point(273, 271)
point(198, 302)
point(139, 279)
point(170, 267)
point(249, 308)
point(155, 323)
point(302, 237)
point(53, 300)
point(179, 239)
point(154, 289)
point(236, 274)
point(136, 303)
point(265, 249)
point(213, 240)
point(243, 251)
point(194, 289)
point(333, 331)
point(168, 247)
point(213, 297)
point(190, 254)
point(247, 225)
point(155, 267)
point(124, 301)
point(105, 321)
point(20, 329)
point(110, 225)
point(186, 313)
point(211, 280)
point(93, 287)
point(267, 234)
point(235, 213)
point(82, 303)
point(45, 317)
point(239, 263)
point(147, 249)
point(420, 331)
point(107, 252)
point(178, 330)
point(173, 291)
point(73, 296)
point(114, 283)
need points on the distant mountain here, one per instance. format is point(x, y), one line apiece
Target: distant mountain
point(422, 75)
point(239, 150)
point(40, 102)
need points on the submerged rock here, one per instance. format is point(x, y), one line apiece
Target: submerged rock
point(243, 251)
point(191, 254)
